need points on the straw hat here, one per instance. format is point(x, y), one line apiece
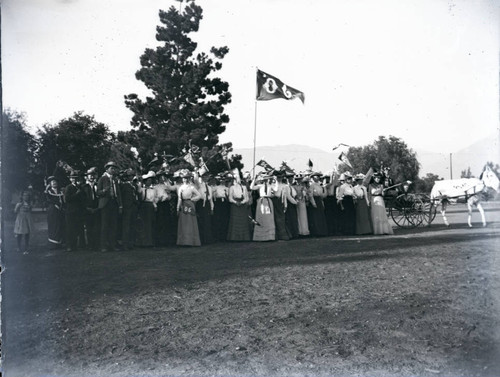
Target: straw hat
point(110, 163)
point(150, 174)
point(91, 171)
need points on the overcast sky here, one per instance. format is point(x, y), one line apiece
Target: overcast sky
point(423, 70)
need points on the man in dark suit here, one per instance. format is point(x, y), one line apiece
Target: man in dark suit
point(129, 194)
point(92, 216)
point(110, 205)
point(75, 199)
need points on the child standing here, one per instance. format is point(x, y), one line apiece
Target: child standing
point(23, 225)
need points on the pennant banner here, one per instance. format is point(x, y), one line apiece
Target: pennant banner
point(270, 87)
point(189, 159)
point(344, 159)
point(264, 165)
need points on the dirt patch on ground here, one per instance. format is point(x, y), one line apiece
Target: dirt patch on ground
point(420, 303)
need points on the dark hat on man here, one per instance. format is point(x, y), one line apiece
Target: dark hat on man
point(377, 174)
point(91, 171)
point(128, 173)
point(110, 163)
point(75, 174)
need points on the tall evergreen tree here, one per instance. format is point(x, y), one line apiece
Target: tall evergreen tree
point(187, 101)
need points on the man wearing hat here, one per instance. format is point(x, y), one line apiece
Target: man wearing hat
point(163, 190)
point(316, 211)
point(75, 199)
point(92, 216)
point(130, 200)
point(220, 199)
point(55, 212)
point(110, 204)
point(345, 198)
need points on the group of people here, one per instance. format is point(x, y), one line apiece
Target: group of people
point(120, 210)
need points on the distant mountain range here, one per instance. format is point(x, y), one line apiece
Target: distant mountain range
point(474, 156)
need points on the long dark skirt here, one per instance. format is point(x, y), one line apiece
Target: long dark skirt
point(240, 227)
point(330, 203)
point(348, 216)
point(220, 219)
point(187, 228)
point(204, 222)
point(55, 222)
point(291, 220)
point(145, 236)
point(282, 232)
point(93, 230)
point(171, 221)
point(363, 218)
point(316, 218)
point(162, 223)
point(129, 222)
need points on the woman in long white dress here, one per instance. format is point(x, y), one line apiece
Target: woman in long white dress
point(380, 222)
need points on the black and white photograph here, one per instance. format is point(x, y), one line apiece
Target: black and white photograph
point(250, 188)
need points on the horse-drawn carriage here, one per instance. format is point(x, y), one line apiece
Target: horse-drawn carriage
point(407, 209)
point(410, 210)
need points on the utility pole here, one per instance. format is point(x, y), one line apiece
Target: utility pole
point(451, 167)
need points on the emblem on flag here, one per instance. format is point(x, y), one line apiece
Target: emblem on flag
point(270, 87)
point(265, 165)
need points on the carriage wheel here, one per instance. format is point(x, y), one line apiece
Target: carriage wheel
point(429, 212)
point(405, 211)
point(420, 211)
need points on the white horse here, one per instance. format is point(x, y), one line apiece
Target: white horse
point(472, 189)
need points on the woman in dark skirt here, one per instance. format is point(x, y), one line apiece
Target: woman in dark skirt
point(55, 212)
point(220, 221)
point(346, 197)
point(204, 208)
point(279, 203)
point(187, 229)
point(163, 189)
point(291, 217)
point(316, 210)
point(171, 218)
point(240, 226)
point(147, 209)
point(363, 219)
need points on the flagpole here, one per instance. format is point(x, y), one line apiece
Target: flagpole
point(254, 138)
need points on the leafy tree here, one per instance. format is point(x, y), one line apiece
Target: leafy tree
point(425, 184)
point(494, 167)
point(80, 141)
point(385, 152)
point(17, 159)
point(187, 101)
point(466, 173)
